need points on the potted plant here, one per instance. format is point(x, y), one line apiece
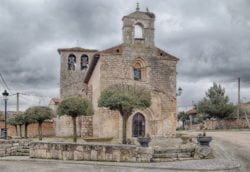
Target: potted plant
point(144, 141)
point(204, 140)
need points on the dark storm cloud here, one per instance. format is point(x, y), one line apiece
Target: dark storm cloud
point(31, 32)
point(211, 38)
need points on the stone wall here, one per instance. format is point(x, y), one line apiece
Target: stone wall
point(64, 126)
point(92, 152)
point(87, 126)
point(71, 81)
point(48, 129)
point(107, 123)
point(221, 124)
point(117, 152)
point(14, 148)
point(160, 80)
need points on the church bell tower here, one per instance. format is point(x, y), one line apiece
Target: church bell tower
point(138, 28)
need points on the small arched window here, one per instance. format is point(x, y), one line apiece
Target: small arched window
point(84, 62)
point(71, 62)
point(138, 30)
point(138, 125)
point(139, 69)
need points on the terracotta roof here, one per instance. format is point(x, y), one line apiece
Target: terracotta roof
point(192, 112)
point(76, 49)
point(113, 50)
point(118, 50)
point(245, 104)
point(163, 53)
point(91, 68)
point(55, 100)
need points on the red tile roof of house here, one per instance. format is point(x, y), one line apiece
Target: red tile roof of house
point(55, 100)
point(192, 112)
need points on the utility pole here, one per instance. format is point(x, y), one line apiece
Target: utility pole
point(17, 102)
point(238, 107)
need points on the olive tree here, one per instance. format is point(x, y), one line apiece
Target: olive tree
point(27, 120)
point(183, 117)
point(39, 114)
point(124, 98)
point(74, 107)
point(20, 121)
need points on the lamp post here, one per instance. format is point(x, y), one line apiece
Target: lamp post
point(178, 93)
point(5, 98)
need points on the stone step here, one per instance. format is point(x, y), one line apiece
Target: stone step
point(24, 147)
point(164, 150)
point(173, 155)
point(165, 155)
point(20, 154)
point(163, 159)
point(23, 150)
point(169, 159)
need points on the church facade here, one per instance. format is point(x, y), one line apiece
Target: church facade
point(136, 61)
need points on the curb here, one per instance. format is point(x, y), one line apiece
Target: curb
point(160, 166)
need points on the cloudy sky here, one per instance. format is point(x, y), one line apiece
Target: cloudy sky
point(211, 38)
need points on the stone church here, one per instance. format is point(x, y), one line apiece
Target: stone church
point(136, 61)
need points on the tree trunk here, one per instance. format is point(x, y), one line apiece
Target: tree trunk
point(125, 116)
point(20, 130)
point(247, 120)
point(124, 129)
point(26, 131)
point(40, 131)
point(183, 124)
point(16, 130)
point(74, 129)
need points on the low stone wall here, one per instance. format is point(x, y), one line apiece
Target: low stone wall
point(14, 148)
point(91, 152)
point(221, 124)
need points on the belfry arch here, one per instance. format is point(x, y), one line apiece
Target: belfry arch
point(138, 31)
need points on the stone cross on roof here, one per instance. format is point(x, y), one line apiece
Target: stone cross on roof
point(137, 6)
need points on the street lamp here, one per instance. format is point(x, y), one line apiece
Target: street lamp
point(5, 98)
point(179, 91)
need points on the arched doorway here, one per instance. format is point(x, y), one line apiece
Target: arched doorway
point(138, 125)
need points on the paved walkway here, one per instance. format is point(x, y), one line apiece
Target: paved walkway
point(236, 143)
